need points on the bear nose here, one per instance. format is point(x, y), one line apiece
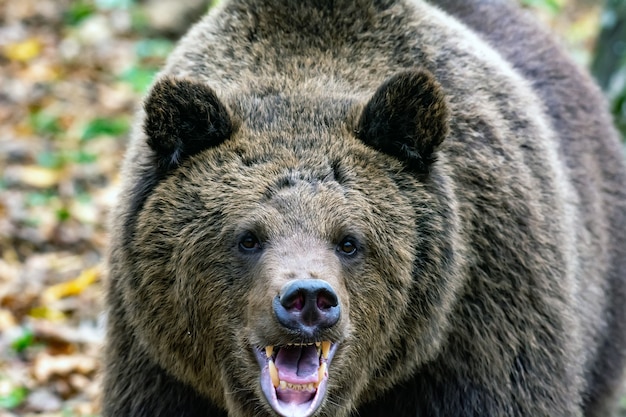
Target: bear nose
point(307, 305)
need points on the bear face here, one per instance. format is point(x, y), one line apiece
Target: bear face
point(266, 216)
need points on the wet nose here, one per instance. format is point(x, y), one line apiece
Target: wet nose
point(307, 305)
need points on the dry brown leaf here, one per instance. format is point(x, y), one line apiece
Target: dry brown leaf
point(41, 72)
point(53, 332)
point(47, 366)
point(7, 320)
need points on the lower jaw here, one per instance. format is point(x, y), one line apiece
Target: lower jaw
point(278, 398)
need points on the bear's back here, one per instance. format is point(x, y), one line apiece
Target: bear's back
point(590, 146)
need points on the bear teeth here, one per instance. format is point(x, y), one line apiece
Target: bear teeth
point(298, 387)
point(323, 348)
point(321, 373)
point(273, 373)
point(303, 344)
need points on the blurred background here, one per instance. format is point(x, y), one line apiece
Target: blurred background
point(71, 75)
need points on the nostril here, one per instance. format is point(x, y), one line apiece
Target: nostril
point(294, 301)
point(326, 300)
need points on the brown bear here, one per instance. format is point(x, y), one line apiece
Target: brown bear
point(368, 208)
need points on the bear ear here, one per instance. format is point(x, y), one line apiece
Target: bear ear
point(182, 119)
point(406, 118)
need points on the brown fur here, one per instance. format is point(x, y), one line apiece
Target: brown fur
point(479, 179)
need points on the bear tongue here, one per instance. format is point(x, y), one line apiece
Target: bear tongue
point(298, 364)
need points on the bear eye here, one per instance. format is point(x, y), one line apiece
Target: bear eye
point(347, 247)
point(249, 243)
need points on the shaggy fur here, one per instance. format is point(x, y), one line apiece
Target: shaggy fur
point(469, 163)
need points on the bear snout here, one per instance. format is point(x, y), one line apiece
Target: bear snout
point(308, 306)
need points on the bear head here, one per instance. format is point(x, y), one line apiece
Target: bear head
point(280, 242)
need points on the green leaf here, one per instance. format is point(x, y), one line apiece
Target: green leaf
point(15, 398)
point(105, 127)
point(139, 78)
point(83, 157)
point(45, 123)
point(25, 340)
point(552, 6)
point(51, 159)
point(63, 214)
point(153, 48)
point(77, 12)
point(40, 198)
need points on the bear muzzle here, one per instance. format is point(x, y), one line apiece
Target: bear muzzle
point(294, 375)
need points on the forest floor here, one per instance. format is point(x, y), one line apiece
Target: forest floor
point(72, 74)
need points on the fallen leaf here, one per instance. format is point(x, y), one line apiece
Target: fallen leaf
point(23, 51)
point(23, 340)
point(7, 319)
point(47, 313)
point(34, 176)
point(73, 287)
point(14, 396)
point(41, 72)
point(59, 333)
point(46, 366)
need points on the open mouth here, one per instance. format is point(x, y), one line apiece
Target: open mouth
point(294, 377)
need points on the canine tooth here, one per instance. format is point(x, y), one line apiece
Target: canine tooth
point(273, 373)
point(321, 372)
point(325, 349)
point(269, 350)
